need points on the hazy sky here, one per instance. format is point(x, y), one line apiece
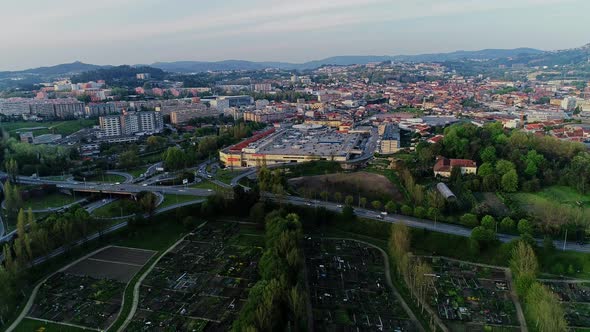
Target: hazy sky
point(39, 32)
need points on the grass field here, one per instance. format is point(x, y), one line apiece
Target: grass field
point(136, 172)
point(57, 127)
point(171, 199)
point(31, 325)
point(54, 200)
point(204, 184)
point(116, 209)
point(107, 178)
point(226, 175)
point(553, 194)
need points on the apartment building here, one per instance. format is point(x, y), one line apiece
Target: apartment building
point(131, 123)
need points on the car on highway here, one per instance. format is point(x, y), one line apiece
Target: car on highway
point(144, 185)
point(339, 205)
point(383, 213)
point(117, 183)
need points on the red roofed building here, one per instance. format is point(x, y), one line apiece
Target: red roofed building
point(444, 166)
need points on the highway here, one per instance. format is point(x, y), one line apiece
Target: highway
point(123, 188)
point(127, 188)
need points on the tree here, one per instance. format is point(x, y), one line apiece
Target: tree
point(407, 210)
point(128, 159)
point(363, 202)
point(504, 166)
point(257, 212)
point(376, 205)
point(524, 266)
point(488, 155)
point(20, 244)
point(348, 200)
point(469, 220)
point(148, 202)
point(174, 158)
point(544, 309)
point(482, 235)
point(488, 222)
point(419, 212)
point(338, 197)
point(507, 224)
point(510, 181)
point(399, 245)
point(485, 169)
point(391, 207)
point(525, 227)
point(532, 161)
point(11, 167)
point(324, 195)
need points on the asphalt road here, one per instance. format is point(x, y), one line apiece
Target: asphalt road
point(420, 223)
point(365, 213)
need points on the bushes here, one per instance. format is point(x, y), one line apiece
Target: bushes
point(469, 220)
point(407, 210)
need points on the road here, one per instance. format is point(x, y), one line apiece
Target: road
point(419, 223)
point(364, 213)
point(122, 188)
point(128, 177)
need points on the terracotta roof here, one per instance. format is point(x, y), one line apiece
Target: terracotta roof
point(446, 165)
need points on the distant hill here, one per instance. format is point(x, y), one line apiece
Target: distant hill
point(62, 69)
point(201, 66)
point(488, 54)
point(122, 74)
point(528, 56)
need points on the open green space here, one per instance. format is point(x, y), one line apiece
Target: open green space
point(225, 175)
point(107, 178)
point(554, 194)
point(122, 207)
point(205, 184)
point(171, 199)
point(359, 184)
point(136, 172)
point(32, 325)
point(52, 127)
point(54, 200)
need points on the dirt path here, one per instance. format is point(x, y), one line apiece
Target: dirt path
point(508, 273)
point(388, 278)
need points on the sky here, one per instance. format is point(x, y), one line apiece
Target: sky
point(41, 33)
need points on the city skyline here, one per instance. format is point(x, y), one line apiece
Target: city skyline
point(132, 32)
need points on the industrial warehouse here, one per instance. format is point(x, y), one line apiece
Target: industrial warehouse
point(300, 143)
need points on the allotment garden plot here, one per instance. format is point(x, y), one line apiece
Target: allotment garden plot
point(201, 284)
point(575, 298)
point(469, 297)
point(349, 290)
point(89, 293)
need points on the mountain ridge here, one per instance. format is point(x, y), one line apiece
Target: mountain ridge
point(516, 55)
